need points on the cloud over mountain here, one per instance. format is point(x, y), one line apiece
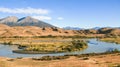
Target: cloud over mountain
point(42, 17)
point(27, 10)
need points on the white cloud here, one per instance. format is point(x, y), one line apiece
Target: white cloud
point(42, 17)
point(27, 10)
point(60, 18)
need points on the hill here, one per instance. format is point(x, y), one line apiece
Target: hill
point(7, 31)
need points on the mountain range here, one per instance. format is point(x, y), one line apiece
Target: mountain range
point(28, 26)
point(25, 21)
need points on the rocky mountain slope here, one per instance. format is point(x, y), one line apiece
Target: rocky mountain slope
point(25, 21)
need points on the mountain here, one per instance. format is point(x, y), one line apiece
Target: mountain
point(25, 21)
point(72, 28)
point(10, 20)
point(28, 26)
point(97, 28)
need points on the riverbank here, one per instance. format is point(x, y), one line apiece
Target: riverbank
point(112, 40)
point(34, 52)
point(104, 60)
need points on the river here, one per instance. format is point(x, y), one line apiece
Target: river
point(94, 46)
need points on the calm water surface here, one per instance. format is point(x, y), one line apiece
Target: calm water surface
point(94, 46)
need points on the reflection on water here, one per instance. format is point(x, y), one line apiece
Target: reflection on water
point(94, 46)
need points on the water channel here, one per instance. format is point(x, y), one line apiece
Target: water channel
point(94, 46)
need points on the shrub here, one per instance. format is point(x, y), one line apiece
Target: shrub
point(118, 65)
point(10, 42)
point(43, 28)
point(51, 58)
point(54, 29)
point(85, 58)
point(19, 57)
point(10, 59)
point(77, 44)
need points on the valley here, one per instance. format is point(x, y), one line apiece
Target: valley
point(59, 33)
point(35, 41)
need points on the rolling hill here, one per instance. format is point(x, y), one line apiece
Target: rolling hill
point(28, 26)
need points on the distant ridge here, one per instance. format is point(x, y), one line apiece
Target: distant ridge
point(72, 28)
point(25, 21)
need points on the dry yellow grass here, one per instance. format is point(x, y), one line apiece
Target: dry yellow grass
point(34, 41)
point(32, 31)
point(7, 31)
point(110, 60)
point(115, 40)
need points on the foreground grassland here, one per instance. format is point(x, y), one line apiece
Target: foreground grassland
point(45, 45)
point(104, 60)
point(113, 40)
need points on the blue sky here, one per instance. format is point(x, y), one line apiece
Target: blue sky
point(62, 13)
